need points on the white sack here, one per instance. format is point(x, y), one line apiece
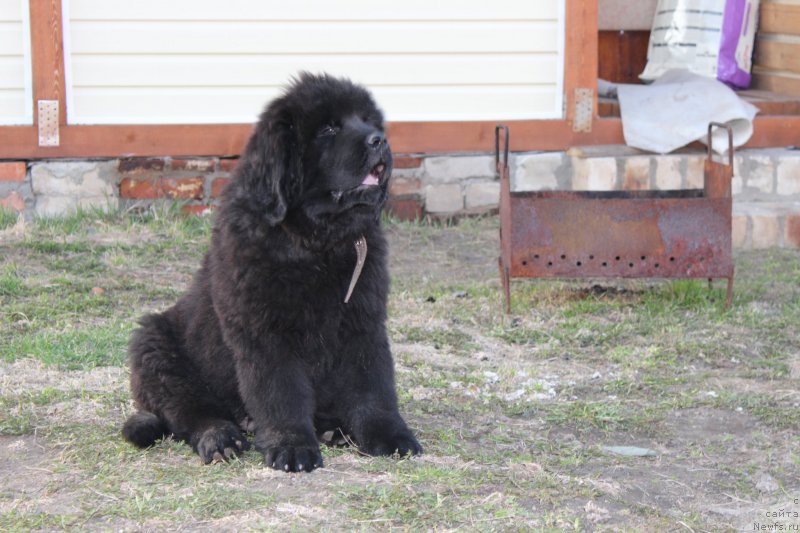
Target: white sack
point(676, 109)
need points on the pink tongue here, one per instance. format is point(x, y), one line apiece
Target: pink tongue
point(370, 180)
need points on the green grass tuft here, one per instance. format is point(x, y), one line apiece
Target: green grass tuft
point(7, 218)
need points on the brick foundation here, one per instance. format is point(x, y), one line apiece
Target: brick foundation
point(766, 184)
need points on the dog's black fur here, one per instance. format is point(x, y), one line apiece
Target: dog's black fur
point(263, 340)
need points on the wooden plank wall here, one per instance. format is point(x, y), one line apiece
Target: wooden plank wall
point(776, 63)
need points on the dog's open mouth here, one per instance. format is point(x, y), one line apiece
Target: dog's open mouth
point(358, 194)
point(375, 175)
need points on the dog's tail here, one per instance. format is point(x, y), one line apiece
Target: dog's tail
point(143, 429)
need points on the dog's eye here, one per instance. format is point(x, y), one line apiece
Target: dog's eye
point(327, 131)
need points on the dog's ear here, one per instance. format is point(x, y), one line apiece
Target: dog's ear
point(268, 168)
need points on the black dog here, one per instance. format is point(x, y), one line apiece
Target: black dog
point(282, 332)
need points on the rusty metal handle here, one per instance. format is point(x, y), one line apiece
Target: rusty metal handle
point(497, 146)
point(726, 127)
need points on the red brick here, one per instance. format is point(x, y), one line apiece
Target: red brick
point(792, 237)
point(140, 189)
point(13, 171)
point(408, 209)
point(402, 161)
point(197, 209)
point(199, 165)
point(228, 165)
point(218, 185)
point(175, 188)
point(183, 188)
point(14, 202)
point(140, 165)
point(404, 186)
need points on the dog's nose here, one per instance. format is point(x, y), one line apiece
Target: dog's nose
point(375, 140)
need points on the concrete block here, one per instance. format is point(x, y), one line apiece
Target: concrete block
point(62, 187)
point(737, 185)
point(739, 232)
point(788, 175)
point(484, 195)
point(451, 169)
point(536, 172)
point(695, 171)
point(668, 173)
point(761, 174)
point(636, 175)
point(766, 231)
point(51, 206)
point(79, 179)
point(444, 199)
point(594, 174)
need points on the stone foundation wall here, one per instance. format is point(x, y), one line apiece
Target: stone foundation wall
point(766, 184)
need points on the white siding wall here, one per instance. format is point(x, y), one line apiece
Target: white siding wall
point(16, 106)
point(206, 61)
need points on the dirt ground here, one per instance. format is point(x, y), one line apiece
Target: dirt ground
point(597, 405)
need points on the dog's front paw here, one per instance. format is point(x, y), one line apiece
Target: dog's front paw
point(400, 442)
point(220, 443)
point(293, 458)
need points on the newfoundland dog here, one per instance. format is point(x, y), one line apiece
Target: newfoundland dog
point(282, 332)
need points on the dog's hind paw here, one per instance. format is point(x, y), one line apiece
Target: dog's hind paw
point(293, 458)
point(221, 443)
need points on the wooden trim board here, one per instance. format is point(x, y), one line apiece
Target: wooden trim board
point(19, 142)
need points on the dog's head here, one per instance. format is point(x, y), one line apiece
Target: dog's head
point(319, 157)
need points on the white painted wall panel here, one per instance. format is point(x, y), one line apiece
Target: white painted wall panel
point(204, 61)
point(322, 10)
point(15, 81)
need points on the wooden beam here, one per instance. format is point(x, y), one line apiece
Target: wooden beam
point(775, 132)
point(778, 54)
point(776, 17)
point(47, 55)
point(781, 82)
point(581, 53)
point(19, 142)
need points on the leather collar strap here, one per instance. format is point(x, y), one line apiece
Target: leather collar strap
point(361, 257)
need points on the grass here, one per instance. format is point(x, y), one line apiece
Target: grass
point(514, 411)
point(7, 218)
